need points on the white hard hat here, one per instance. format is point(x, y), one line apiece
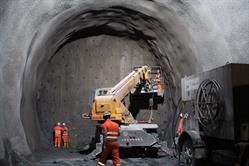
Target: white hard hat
point(58, 123)
point(63, 124)
point(107, 113)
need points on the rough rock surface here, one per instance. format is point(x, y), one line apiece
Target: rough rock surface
point(184, 37)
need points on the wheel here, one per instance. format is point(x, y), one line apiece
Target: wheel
point(187, 153)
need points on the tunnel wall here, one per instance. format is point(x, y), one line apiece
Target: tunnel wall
point(200, 35)
point(72, 75)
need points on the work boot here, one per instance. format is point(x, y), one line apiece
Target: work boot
point(100, 164)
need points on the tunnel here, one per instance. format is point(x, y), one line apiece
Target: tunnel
point(54, 54)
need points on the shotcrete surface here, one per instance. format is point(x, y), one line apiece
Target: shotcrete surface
point(73, 74)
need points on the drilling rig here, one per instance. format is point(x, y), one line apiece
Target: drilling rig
point(144, 86)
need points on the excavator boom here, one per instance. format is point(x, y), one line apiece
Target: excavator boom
point(143, 84)
point(111, 99)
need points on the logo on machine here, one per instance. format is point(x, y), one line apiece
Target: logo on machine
point(208, 103)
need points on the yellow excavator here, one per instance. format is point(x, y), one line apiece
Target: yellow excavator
point(145, 87)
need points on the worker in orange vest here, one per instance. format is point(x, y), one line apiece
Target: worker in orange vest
point(65, 136)
point(181, 123)
point(158, 75)
point(57, 135)
point(110, 131)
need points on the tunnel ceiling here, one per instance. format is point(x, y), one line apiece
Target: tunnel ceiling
point(185, 37)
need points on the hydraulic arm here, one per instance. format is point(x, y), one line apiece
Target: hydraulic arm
point(144, 84)
point(111, 99)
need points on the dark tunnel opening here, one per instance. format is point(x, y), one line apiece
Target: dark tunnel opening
point(113, 24)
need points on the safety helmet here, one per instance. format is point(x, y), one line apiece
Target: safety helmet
point(58, 123)
point(107, 113)
point(64, 124)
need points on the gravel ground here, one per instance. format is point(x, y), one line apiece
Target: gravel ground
point(69, 158)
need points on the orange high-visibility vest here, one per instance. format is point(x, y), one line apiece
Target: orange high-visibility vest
point(65, 131)
point(111, 130)
point(65, 136)
point(57, 131)
point(180, 126)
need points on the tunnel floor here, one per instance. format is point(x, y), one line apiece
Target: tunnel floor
point(70, 157)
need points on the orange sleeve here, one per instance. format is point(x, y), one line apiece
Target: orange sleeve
point(103, 128)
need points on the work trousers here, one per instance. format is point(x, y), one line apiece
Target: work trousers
point(110, 147)
point(57, 141)
point(65, 140)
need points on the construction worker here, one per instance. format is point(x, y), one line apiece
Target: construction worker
point(65, 136)
point(158, 75)
point(57, 135)
point(180, 129)
point(110, 131)
point(158, 80)
point(180, 125)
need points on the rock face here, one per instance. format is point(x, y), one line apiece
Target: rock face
point(53, 54)
point(75, 72)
